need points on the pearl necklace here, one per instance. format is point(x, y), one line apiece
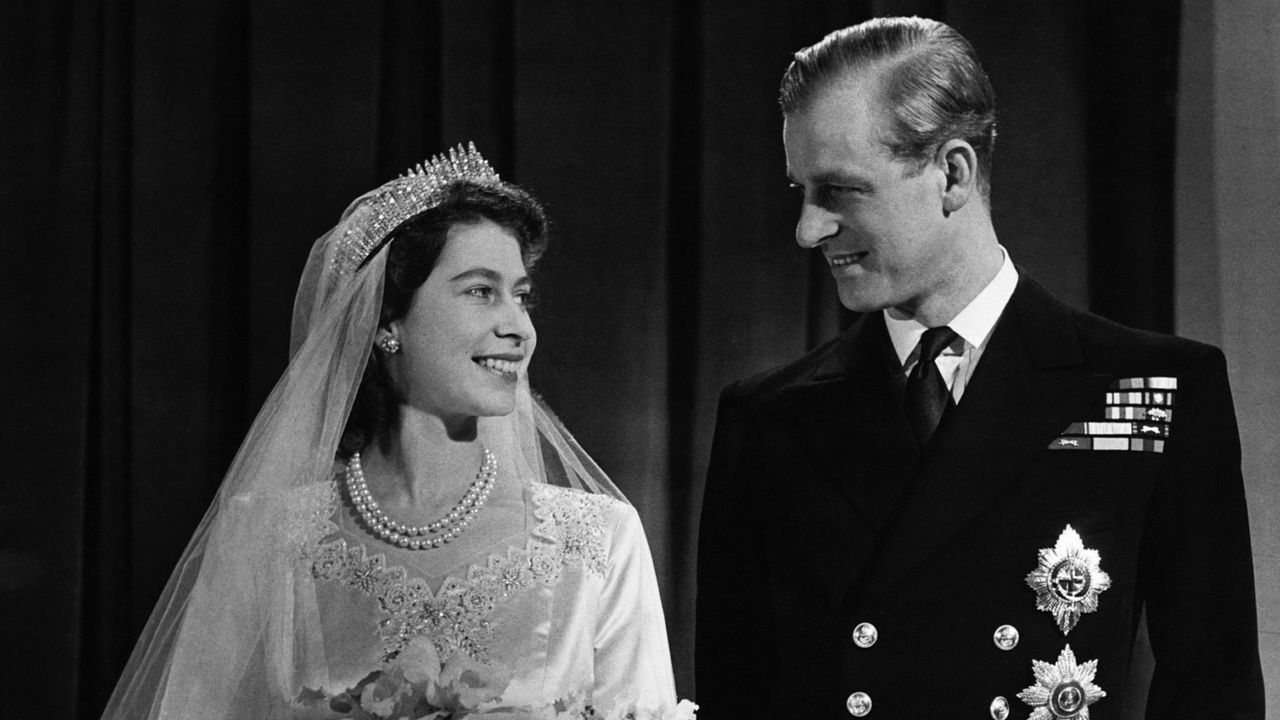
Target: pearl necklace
point(431, 535)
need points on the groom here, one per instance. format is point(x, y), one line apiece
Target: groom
point(961, 506)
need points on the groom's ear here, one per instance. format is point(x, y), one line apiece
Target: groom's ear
point(959, 164)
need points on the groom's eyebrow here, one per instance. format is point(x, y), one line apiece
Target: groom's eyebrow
point(832, 177)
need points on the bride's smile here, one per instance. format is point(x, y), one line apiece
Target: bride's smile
point(467, 334)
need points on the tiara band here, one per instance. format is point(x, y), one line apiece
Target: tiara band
point(418, 190)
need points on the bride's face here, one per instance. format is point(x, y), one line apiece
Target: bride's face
point(467, 334)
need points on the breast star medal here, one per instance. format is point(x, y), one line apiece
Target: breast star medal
point(1063, 690)
point(1068, 580)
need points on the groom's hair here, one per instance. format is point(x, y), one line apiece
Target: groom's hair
point(931, 85)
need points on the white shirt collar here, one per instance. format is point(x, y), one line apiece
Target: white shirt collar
point(974, 323)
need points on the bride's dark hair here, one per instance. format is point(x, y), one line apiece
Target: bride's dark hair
point(414, 248)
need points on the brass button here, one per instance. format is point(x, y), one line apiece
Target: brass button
point(858, 704)
point(865, 635)
point(1006, 637)
point(999, 708)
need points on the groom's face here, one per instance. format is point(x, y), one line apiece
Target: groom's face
point(876, 218)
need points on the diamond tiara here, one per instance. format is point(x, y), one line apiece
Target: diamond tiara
point(419, 189)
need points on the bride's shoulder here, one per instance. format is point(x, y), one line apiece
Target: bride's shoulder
point(312, 495)
point(561, 504)
point(303, 513)
point(584, 525)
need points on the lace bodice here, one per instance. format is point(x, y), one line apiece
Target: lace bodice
point(562, 608)
point(570, 531)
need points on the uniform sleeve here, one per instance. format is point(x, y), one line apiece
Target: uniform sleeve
point(632, 657)
point(1197, 567)
point(734, 651)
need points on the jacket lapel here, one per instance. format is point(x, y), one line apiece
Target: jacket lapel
point(1028, 386)
point(850, 421)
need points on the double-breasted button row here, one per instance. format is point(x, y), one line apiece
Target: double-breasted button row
point(1006, 638)
point(865, 635)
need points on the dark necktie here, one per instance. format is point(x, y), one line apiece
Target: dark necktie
point(927, 396)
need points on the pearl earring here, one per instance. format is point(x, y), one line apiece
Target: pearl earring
point(390, 345)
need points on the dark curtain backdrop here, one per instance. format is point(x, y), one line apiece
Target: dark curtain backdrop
point(166, 166)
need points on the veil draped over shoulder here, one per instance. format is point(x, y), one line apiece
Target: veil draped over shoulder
point(237, 621)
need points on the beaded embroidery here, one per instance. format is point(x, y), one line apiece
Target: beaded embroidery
point(457, 618)
point(308, 518)
point(575, 522)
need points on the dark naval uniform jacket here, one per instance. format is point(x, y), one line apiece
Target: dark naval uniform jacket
point(1089, 470)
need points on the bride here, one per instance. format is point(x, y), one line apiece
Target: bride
point(406, 531)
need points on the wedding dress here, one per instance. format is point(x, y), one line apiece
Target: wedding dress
point(285, 606)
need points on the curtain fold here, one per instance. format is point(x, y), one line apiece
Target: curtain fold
point(99, 110)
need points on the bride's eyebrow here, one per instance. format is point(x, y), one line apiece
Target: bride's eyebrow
point(480, 273)
point(488, 274)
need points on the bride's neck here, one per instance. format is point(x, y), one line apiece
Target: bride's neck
point(427, 461)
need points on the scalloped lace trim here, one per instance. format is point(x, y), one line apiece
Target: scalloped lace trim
point(458, 617)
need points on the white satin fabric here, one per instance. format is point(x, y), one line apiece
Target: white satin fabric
point(555, 590)
point(261, 620)
point(552, 591)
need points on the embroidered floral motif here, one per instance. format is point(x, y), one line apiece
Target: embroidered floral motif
point(457, 618)
point(308, 517)
point(575, 522)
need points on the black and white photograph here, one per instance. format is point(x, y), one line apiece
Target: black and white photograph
point(670, 360)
